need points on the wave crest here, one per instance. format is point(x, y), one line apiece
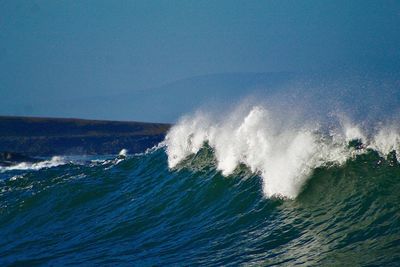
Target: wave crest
point(53, 162)
point(283, 153)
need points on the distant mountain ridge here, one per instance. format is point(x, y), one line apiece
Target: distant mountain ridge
point(165, 103)
point(36, 136)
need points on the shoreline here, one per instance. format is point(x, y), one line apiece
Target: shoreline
point(42, 137)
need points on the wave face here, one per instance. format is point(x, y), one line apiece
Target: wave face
point(243, 188)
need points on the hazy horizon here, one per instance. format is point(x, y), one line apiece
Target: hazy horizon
point(64, 59)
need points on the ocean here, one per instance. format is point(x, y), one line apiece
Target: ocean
point(243, 189)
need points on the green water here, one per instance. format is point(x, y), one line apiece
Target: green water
point(138, 212)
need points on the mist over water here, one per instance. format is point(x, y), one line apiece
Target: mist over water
point(283, 149)
point(285, 135)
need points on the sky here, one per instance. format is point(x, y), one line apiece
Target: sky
point(52, 52)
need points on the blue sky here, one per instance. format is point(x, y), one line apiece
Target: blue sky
point(51, 51)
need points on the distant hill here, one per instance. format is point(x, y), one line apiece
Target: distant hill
point(350, 92)
point(55, 136)
point(164, 103)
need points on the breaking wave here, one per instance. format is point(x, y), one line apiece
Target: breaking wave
point(53, 162)
point(283, 152)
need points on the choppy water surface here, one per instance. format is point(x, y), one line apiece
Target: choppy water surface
point(203, 199)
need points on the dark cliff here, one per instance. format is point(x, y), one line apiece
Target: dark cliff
point(53, 136)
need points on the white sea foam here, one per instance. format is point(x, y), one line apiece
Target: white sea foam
point(282, 153)
point(386, 140)
point(123, 153)
point(53, 162)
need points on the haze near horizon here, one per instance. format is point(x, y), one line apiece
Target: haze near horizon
point(154, 61)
